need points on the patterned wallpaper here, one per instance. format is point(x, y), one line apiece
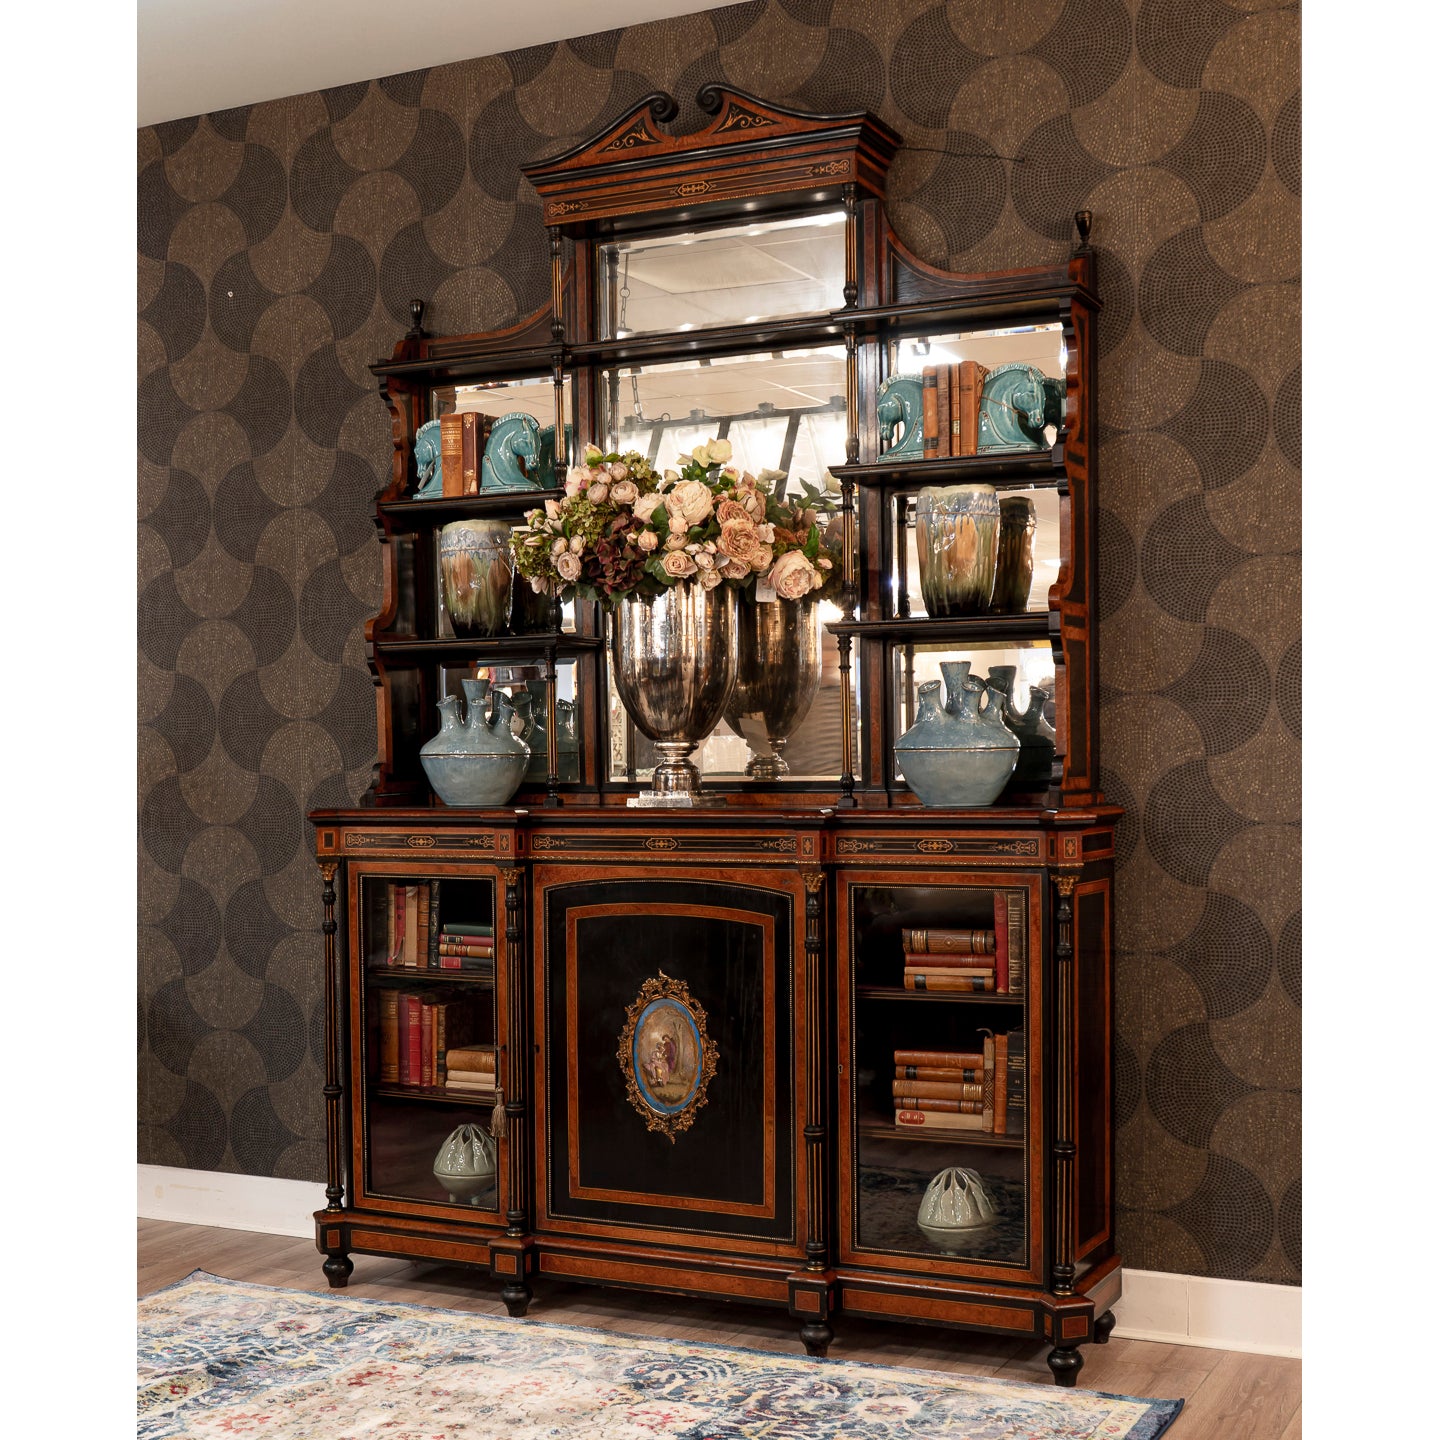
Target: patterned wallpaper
point(279, 245)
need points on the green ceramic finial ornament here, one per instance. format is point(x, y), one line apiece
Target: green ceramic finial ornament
point(900, 402)
point(1016, 404)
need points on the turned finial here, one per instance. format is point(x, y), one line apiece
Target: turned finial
point(1082, 225)
point(417, 314)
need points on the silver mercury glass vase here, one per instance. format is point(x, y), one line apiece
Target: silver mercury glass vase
point(777, 677)
point(673, 657)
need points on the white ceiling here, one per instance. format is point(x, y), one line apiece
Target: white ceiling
point(196, 56)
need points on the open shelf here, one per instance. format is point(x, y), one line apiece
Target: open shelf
point(1045, 469)
point(974, 997)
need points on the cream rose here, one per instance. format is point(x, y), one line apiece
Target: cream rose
point(618, 470)
point(710, 578)
point(721, 450)
point(793, 576)
point(679, 564)
point(568, 567)
point(624, 492)
point(701, 454)
point(689, 502)
point(558, 547)
point(675, 540)
point(577, 481)
point(598, 492)
point(733, 569)
point(647, 540)
point(728, 510)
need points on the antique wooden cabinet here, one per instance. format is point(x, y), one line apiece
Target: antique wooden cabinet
point(741, 280)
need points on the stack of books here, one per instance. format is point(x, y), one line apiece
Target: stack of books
point(951, 960)
point(980, 1090)
point(417, 1028)
point(466, 947)
point(950, 409)
point(470, 1070)
point(409, 909)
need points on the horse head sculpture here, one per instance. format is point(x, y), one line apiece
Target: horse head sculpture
point(512, 454)
point(429, 480)
point(1016, 404)
point(900, 404)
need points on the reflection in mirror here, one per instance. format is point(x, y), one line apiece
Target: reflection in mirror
point(813, 751)
point(781, 411)
point(1040, 346)
point(532, 395)
point(524, 683)
point(913, 665)
point(732, 276)
point(906, 596)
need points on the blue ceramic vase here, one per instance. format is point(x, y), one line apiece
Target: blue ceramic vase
point(954, 754)
point(479, 763)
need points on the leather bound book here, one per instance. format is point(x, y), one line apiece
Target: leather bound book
point(949, 982)
point(959, 964)
point(970, 382)
point(427, 1041)
point(1015, 1084)
point(389, 1005)
point(941, 1107)
point(1002, 942)
point(949, 942)
point(987, 1085)
point(1019, 954)
point(937, 1072)
point(938, 1120)
point(930, 414)
point(944, 389)
point(933, 1090)
point(462, 447)
point(942, 1059)
point(1002, 1079)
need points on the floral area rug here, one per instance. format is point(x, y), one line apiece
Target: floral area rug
point(222, 1358)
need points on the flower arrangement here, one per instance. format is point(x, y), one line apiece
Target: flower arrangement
point(624, 528)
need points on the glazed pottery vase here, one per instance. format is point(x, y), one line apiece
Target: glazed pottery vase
point(475, 576)
point(1037, 740)
point(955, 755)
point(955, 1205)
point(957, 544)
point(1015, 562)
point(777, 675)
point(478, 764)
point(673, 660)
point(567, 739)
point(465, 1165)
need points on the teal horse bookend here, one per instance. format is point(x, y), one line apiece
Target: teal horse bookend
point(900, 405)
point(547, 476)
point(427, 462)
point(1016, 404)
point(512, 454)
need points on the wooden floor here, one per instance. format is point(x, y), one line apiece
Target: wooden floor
point(1228, 1395)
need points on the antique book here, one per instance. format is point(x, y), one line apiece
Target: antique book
point(930, 414)
point(396, 927)
point(950, 964)
point(1015, 1084)
point(470, 946)
point(939, 1072)
point(470, 1080)
point(473, 1058)
point(422, 923)
point(1015, 928)
point(411, 1058)
point(966, 424)
point(388, 1002)
point(457, 929)
point(427, 1040)
point(943, 388)
point(462, 448)
point(944, 1107)
point(432, 941)
point(987, 1085)
point(934, 1090)
point(938, 1120)
point(944, 1059)
point(1002, 1079)
point(949, 942)
point(1002, 943)
point(454, 1027)
point(948, 981)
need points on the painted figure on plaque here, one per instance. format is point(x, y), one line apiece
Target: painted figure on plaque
point(666, 1055)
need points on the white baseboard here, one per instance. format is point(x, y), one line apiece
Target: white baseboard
point(1176, 1309)
point(234, 1202)
point(1217, 1314)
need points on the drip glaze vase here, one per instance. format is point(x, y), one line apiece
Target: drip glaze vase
point(673, 659)
point(957, 545)
point(1037, 741)
point(777, 676)
point(1015, 558)
point(475, 576)
point(478, 762)
point(954, 754)
point(955, 1205)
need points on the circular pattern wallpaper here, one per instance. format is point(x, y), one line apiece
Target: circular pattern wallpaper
point(279, 246)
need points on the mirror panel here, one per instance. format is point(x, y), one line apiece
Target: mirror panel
point(735, 275)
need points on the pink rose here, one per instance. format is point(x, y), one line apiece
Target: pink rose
point(675, 540)
point(793, 576)
point(568, 566)
point(679, 564)
point(710, 579)
point(647, 540)
point(598, 491)
point(647, 505)
point(624, 492)
point(733, 569)
point(618, 471)
point(728, 510)
point(689, 502)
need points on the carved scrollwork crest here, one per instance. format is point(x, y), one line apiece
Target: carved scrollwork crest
point(666, 1055)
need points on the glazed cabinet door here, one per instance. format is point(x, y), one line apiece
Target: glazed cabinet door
point(940, 1066)
point(428, 986)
